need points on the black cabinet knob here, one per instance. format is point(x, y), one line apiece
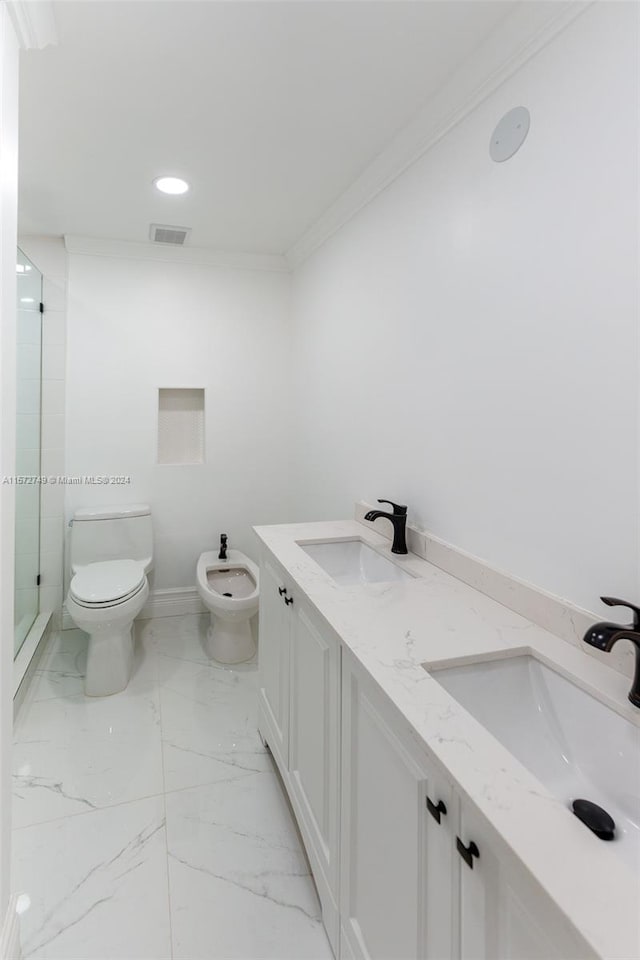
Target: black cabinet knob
point(467, 853)
point(288, 600)
point(436, 809)
point(282, 590)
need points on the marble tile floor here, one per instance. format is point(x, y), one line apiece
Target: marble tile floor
point(152, 824)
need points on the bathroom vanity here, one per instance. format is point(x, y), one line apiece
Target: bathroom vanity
point(427, 836)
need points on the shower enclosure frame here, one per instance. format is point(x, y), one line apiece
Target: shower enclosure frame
point(30, 622)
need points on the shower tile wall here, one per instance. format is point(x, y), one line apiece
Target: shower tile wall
point(49, 255)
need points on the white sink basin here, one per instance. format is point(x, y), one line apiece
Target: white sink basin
point(574, 744)
point(352, 561)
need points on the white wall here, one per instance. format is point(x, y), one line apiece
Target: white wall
point(50, 257)
point(467, 344)
point(8, 240)
point(135, 326)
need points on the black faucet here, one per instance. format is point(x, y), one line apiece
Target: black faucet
point(603, 635)
point(398, 519)
point(223, 547)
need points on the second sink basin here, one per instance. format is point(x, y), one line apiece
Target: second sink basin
point(574, 744)
point(353, 561)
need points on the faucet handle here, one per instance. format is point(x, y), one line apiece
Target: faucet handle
point(613, 602)
point(398, 509)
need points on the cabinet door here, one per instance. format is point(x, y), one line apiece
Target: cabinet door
point(314, 736)
point(394, 853)
point(504, 914)
point(273, 654)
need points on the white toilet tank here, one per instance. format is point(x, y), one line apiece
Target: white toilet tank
point(122, 532)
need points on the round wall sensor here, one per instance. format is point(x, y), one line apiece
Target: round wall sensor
point(510, 134)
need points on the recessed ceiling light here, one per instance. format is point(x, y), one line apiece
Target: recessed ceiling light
point(22, 267)
point(172, 185)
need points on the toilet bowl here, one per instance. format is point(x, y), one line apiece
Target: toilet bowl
point(104, 599)
point(230, 590)
point(111, 554)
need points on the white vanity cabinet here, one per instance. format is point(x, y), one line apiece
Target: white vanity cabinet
point(314, 750)
point(406, 867)
point(299, 718)
point(423, 876)
point(273, 654)
point(504, 914)
point(396, 890)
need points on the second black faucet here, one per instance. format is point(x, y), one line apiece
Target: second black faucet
point(603, 635)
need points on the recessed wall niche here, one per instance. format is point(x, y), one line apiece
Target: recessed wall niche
point(180, 425)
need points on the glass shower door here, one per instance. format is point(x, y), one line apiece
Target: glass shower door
point(29, 387)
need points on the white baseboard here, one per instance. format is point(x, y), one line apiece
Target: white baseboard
point(10, 934)
point(174, 602)
point(552, 613)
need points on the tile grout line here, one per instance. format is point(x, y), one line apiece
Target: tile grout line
point(214, 783)
point(164, 802)
point(146, 796)
point(87, 813)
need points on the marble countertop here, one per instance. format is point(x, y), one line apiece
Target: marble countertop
point(393, 630)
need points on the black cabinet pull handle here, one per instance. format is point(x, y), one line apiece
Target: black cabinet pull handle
point(467, 853)
point(282, 590)
point(436, 809)
point(288, 600)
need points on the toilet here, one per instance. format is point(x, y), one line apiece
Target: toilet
point(230, 590)
point(111, 555)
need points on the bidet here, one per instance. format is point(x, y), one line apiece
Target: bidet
point(229, 589)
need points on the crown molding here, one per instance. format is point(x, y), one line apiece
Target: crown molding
point(130, 250)
point(34, 23)
point(517, 39)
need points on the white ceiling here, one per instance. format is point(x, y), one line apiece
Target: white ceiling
point(269, 109)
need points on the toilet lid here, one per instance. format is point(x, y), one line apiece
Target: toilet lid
point(107, 581)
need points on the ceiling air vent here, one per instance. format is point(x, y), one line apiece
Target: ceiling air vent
point(161, 233)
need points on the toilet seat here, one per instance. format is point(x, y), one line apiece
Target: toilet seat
point(107, 583)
